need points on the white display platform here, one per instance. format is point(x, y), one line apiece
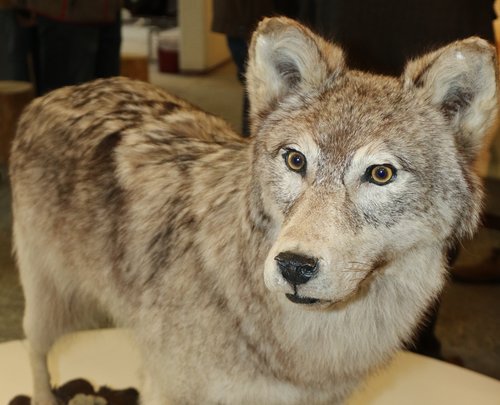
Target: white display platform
point(108, 357)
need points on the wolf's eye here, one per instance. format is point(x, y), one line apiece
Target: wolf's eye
point(295, 161)
point(381, 174)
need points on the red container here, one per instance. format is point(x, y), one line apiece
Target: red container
point(168, 60)
point(168, 50)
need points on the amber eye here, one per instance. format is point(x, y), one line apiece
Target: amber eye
point(381, 174)
point(295, 161)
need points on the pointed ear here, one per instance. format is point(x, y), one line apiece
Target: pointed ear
point(285, 56)
point(461, 81)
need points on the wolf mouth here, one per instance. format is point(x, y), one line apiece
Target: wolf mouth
point(297, 299)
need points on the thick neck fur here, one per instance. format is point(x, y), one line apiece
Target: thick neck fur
point(318, 343)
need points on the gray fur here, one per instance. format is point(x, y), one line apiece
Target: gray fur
point(133, 205)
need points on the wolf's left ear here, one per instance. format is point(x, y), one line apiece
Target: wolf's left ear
point(461, 80)
point(285, 56)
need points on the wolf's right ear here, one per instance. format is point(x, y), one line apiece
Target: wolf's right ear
point(285, 56)
point(461, 81)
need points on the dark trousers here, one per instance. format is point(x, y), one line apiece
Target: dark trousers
point(15, 47)
point(71, 53)
point(239, 53)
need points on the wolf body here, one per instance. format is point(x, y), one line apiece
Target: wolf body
point(276, 270)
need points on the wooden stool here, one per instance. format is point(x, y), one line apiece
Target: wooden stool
point(14, 96)
point(135, 67)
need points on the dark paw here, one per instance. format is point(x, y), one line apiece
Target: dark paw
point(68, 391)
point(20, 400)
point(128, 396)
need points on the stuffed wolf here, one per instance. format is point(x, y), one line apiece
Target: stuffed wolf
point(276, 270)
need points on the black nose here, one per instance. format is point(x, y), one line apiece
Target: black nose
point(297, 269)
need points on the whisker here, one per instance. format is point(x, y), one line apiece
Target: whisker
point(363, 263)
point(360, 270)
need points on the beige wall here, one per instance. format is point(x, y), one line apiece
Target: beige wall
point(200, 49)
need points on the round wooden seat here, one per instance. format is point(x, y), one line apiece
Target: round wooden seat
point(134, 66)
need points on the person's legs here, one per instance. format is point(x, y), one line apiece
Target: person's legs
point(426, 342)
point(67, 53)
point(239, 52)
point(14, 47)
point(108, 52)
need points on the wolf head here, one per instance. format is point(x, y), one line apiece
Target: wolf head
point(364, 176)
